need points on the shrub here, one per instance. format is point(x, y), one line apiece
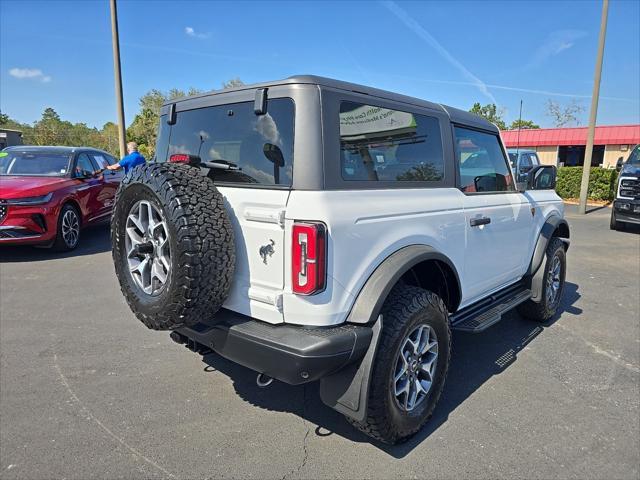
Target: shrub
point(602, 183)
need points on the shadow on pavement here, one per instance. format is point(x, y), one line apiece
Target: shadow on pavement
point(475, 359)
point(596, 208)
point(94, 239)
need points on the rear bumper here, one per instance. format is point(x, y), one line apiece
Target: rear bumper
point(627, 210)
point(291, 354)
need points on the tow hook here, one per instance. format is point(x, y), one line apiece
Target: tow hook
point(263, 381)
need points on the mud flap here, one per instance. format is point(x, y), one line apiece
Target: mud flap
point(347, 390)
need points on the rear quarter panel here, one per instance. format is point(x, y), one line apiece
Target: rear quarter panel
point(364, 228)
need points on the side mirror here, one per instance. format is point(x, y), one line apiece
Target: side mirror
point(619, 164)
point(542, 177)
point(275, 156)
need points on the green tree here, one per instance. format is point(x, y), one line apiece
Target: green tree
point(491, 113)
point(234, 82)
point(50, 130)
point(523, 124)
point(143, 129)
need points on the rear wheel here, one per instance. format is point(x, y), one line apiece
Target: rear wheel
point(173, 246)
point(68, 233)
point(410, 366)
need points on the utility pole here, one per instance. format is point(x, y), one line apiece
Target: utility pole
point(117, 76)
point(584, 186)
point(519, 127)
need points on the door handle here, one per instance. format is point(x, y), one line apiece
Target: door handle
point(476, 222)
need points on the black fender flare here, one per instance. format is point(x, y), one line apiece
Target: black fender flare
point(347, 390)
point(535, 273)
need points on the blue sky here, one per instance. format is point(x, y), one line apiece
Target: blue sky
point(58, 53)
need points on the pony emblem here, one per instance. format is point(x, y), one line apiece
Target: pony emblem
point(267, 250)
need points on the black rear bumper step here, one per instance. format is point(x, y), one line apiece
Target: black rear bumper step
point(292, 354)
point(481, 315)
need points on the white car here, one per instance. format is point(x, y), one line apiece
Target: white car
point(317, 230)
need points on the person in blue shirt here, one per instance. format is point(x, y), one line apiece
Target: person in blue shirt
point(130, 161)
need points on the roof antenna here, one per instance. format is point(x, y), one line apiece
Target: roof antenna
point(519, 127)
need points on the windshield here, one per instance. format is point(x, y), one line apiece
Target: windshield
point(634, 158)
point(34, 164)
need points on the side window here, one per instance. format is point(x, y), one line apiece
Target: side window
point(84, 165)
point(102, 161)
point(481, 162)
point(535, 161)
point(261, 146)
point(525, 160)
point(379, 144)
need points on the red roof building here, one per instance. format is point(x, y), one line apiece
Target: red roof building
point(565, 146)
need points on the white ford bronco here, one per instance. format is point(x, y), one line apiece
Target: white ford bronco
point(316, 230)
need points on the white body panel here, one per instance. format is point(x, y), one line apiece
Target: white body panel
point(257, 216)
point(364, 228)
point(495, 254)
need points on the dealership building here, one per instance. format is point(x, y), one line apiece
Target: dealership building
point(566, 146)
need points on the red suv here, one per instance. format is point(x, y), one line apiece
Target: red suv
point(48, 194)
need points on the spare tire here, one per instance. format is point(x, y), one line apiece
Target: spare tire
point(173, 246)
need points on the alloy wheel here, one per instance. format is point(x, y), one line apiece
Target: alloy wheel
point(415, 367)
point(70, 228)
point(147, 246)
point(553, 280)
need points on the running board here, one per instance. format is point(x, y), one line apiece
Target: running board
point(481, 315)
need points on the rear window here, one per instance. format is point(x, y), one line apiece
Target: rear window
point(260, 145)
point(380, 144)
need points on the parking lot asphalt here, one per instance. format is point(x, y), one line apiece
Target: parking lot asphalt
point(86, 391)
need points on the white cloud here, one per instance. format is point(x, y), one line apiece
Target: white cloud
point(414, 26)
point(267, 127)
point(555, 43)
point(29, 73)
point(190, 31)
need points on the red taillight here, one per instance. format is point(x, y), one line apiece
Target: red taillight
point(184, 158)
point(309, 254)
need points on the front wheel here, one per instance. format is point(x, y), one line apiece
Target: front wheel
point(555, 269)
point(410, 366)
point(613, 223)
point(68, 234)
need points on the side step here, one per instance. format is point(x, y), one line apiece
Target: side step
point(481, 315)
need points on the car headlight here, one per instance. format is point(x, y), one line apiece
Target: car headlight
point(29, 200)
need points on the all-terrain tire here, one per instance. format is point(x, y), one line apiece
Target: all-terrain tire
point(543, 310)
point(201, 243)
point(69, 218)
point(406, 308)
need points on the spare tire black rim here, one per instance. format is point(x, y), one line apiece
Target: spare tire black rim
point(415, 367)
point(147, 246)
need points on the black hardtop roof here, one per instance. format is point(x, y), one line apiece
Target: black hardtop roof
point(52, 149)
point(456, 115)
